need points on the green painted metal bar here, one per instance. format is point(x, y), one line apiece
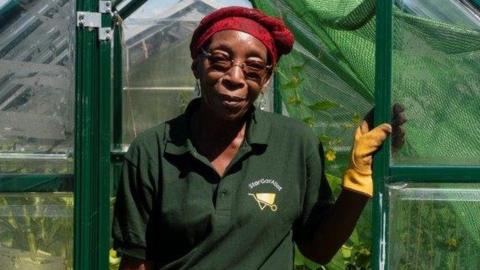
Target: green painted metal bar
point(116, 154)
point(117, 87)
point(105, 139)
point(277, 95)
point(435, 174)
point(383, 73)
point(92, 145)
point(85, 84)
point(129, 8)
point(36, 182)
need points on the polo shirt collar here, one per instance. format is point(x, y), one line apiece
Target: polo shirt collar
point(178, 139)
point(258, 129)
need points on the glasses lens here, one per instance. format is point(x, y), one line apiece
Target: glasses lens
point(220, 62)
point(253, 70)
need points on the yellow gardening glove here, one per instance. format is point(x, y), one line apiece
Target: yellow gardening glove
point(358, 176)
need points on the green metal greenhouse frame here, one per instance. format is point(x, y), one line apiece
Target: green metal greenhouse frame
point(384, 172)
point(98, 139)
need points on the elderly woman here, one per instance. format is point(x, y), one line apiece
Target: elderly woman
point(228, 186)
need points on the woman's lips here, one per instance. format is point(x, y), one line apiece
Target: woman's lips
point(232, 101)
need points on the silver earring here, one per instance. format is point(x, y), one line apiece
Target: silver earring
point(263, 103)
point(198, 89)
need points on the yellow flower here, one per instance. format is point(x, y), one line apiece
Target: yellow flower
point(113, 258)
point(330, 155)
point(452, 243)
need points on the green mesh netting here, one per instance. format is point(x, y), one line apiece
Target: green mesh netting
point(328, 82)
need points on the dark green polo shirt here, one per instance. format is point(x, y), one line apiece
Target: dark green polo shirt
point(174, 209)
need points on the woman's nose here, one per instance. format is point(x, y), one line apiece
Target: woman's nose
point(234, 77)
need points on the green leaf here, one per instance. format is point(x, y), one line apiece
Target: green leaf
point(324, 139)
point(309, 121)
point(354, 237)
point(322, 106)
point(294, 100)
point(356, 119)
point(297, 69)
point(337, 262)
point(293, 83)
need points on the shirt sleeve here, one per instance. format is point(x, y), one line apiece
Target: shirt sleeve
point(318, 198)
point(134, 203)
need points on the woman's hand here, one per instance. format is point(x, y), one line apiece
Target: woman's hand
point(398, 119)
point(398, 132)
point(367, 141)
point(358, 176)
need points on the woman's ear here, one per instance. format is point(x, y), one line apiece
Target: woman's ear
point(195, 68)
point(266, 84)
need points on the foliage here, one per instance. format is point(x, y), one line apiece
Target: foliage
point(441, 241)
point(35, 166)
point(355, 254)
point(36, 228)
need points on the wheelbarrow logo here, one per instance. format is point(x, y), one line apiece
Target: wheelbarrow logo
point(265, 200)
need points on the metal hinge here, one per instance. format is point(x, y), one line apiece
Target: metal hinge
point(93, 20)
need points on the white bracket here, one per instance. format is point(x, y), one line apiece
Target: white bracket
point(105, 33)
point(93, 20)
point(89, 19)
point(105, 7)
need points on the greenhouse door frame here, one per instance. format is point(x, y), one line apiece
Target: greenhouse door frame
point(93, 103)
point(384, 172)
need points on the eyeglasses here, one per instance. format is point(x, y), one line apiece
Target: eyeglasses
point(253, 70)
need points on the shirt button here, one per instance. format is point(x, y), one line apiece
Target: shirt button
point(223, 193)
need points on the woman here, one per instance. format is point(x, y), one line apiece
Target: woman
point(227, 186)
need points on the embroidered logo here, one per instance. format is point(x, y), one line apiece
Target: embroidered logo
point(265, 181)
point(265, 200)
point(264, 196)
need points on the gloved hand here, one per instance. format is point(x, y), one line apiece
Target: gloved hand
point(358, 176)
point(398, 119)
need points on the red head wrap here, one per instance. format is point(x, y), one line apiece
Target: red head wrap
point(271, 31)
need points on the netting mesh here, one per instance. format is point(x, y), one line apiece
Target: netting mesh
point(435, 73)
point(328, 82)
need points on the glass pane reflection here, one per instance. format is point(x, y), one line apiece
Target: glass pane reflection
point(434, 226)
point(37, 84)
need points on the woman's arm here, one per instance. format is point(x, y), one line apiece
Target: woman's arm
point(335, 229)
point(130, 263)
point(338, 223)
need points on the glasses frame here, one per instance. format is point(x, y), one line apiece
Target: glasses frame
point(242, 66)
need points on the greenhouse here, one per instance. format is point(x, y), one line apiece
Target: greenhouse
point(80, 79)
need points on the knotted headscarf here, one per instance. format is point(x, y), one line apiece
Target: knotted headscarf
point(271, 31)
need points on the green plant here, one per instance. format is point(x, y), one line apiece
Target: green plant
point(36, 229)
point(319, 114)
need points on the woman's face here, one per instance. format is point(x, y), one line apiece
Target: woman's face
point(229, 92)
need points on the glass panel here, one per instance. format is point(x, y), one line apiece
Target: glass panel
point(434, 226)
point(435, 76)
point(158, 81)
point(36, 85)
point(36, 231)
